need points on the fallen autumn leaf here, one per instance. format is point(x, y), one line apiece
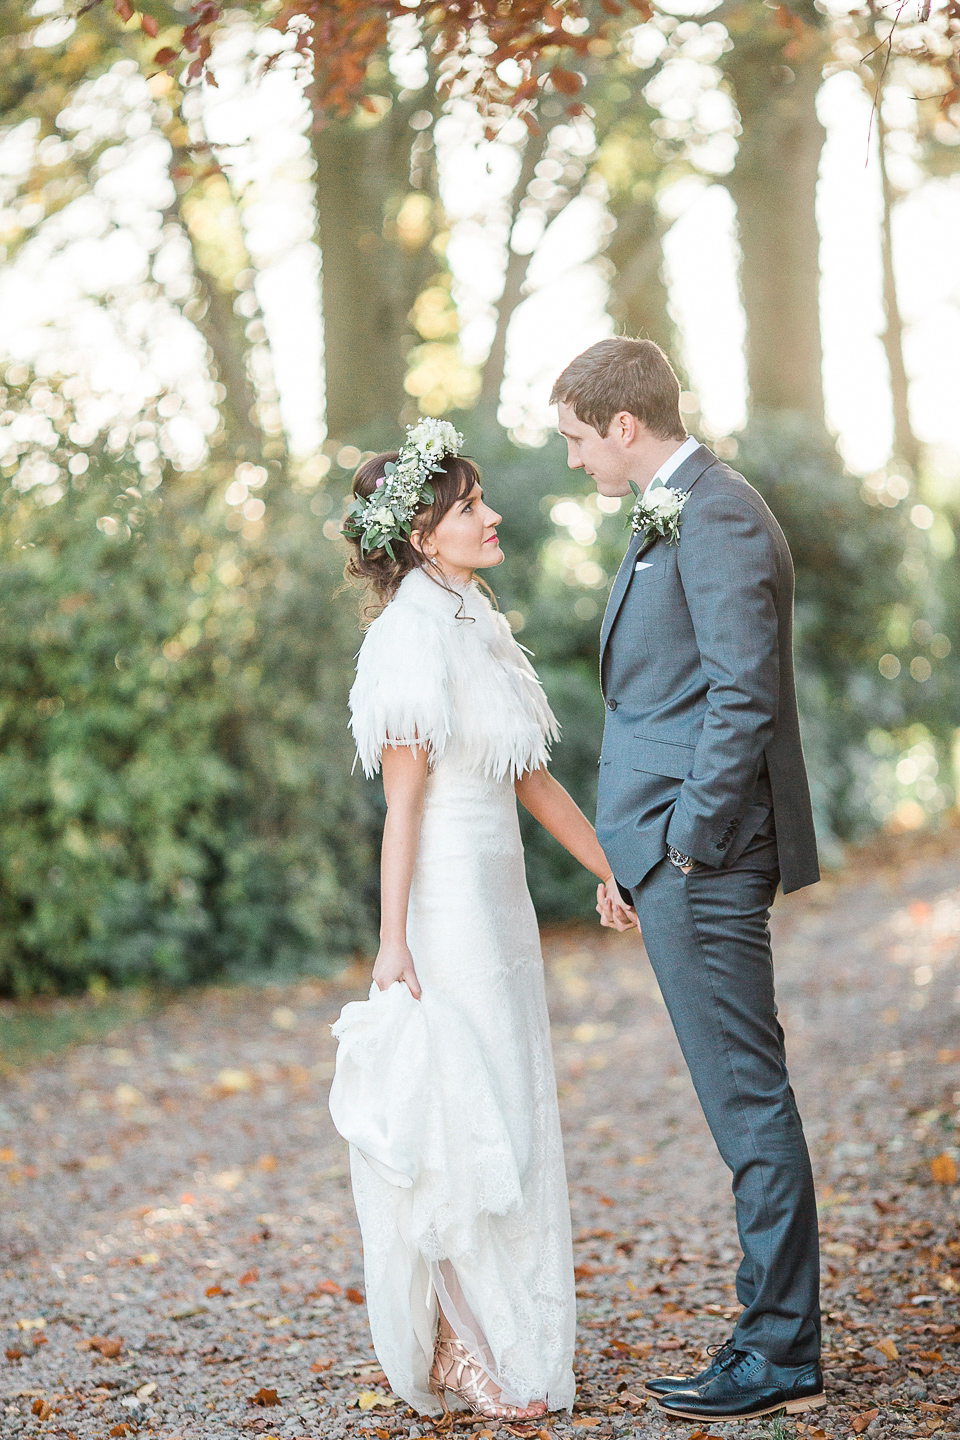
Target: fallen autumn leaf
point(108, 1348)
point(264, 1397)
point(943, 1168)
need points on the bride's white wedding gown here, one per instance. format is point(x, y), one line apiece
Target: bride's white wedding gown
point(450, 1105)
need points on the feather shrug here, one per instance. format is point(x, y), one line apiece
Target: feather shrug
point(441, 670)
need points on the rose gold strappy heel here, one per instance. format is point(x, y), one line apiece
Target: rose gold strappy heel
point(456, 1370)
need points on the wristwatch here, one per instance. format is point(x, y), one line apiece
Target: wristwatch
point(677, 857)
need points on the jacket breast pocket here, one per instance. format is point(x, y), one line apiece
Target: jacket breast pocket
point(660, 757)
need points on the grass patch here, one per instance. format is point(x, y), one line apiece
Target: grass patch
point(31, 1030)
point(776, 1428)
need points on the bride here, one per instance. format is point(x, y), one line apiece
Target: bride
point(445, 1085)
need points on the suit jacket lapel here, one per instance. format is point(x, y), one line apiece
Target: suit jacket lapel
point(686, 475)
point(684, 478)
point(635, 549)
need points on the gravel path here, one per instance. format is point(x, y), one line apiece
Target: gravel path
point(179, 1257)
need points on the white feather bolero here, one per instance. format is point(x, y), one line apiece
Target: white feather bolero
point(441, 670)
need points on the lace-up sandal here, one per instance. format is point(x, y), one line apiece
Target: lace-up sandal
point(457, 1371)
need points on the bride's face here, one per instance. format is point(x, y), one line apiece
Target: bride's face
point(466, 538)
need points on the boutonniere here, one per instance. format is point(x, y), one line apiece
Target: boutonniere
point(658, 512)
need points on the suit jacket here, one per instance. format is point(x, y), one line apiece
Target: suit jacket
point(696, 665)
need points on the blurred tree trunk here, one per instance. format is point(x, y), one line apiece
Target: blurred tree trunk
point(775, 69)
point(638, 294)
point(372, 271)
point(514, 278)
point(906, 446)
point(212, 307)
point(905, 443)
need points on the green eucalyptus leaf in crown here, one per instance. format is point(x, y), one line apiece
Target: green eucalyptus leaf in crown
point(385, 516)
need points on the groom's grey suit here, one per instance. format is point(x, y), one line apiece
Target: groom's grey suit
point(701, 751)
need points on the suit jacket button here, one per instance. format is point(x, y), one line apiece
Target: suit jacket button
point(611, 704)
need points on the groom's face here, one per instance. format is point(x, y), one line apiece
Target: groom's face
point(605, 458)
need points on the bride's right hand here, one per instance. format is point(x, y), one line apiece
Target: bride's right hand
point(394, 962)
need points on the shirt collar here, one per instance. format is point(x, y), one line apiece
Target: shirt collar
point(674, 461)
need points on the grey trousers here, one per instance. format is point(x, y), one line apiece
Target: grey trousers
point(708, 940)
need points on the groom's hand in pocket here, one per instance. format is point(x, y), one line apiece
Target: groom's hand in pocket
point(614, 913)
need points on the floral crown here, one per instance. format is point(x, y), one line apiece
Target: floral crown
point(386, 515)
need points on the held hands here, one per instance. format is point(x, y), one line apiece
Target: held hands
point(394, 962)
point(614, 914)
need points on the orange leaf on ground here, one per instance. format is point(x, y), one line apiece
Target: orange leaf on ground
point(943, 1168)
point(888, 1347)
point(863, 1421)
point(122, 1429)
point(15, 1354)
point(42, 1409)
point(324, 1363)
point(109, 1348)
point(249, 1277)
point(213, 1290)
point(355, 1296)
point(327, 1287)
point(264, 1397)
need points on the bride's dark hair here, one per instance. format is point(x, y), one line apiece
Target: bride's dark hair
point(454, 480)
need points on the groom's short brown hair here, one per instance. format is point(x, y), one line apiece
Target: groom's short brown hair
point(623, 374)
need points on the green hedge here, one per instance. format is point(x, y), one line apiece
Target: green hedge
point(175, 800)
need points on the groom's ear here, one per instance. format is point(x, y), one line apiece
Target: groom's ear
point(627, 426)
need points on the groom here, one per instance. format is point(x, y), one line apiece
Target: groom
point(703, 809)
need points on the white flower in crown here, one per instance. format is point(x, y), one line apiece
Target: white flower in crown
point(385, 516)
point(434, 438)
point(657, 512)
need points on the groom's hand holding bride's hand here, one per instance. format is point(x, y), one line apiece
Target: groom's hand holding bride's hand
point(394, 962)
point(614, 914)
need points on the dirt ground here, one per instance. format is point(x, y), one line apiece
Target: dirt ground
point(179, 1256)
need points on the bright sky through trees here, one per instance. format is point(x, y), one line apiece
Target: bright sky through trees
point(258, 129)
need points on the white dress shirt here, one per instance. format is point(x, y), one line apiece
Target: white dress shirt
point(674, 461)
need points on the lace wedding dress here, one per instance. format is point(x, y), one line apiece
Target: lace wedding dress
point(450, 1104)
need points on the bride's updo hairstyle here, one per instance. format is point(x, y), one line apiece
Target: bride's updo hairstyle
point(452, 482)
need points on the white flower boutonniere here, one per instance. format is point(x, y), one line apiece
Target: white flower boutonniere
point(657, 512)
